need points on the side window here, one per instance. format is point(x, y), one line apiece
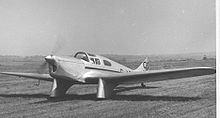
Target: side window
point(97, 61)
point(93, 61)
point(107, 63)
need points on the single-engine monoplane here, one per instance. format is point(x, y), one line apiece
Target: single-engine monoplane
point(86, 68)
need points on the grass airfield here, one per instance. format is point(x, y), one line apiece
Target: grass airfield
point(191, 97)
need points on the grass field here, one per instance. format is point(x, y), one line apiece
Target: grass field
point(191, 97)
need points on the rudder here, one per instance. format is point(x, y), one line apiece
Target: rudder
point(144, 66)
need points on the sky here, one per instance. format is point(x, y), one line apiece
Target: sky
point(63, 27)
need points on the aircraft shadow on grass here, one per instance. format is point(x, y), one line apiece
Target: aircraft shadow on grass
point(24, 95)
point(121, 89)
point(92, 96)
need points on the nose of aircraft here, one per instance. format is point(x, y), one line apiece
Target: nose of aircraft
point(64, 67)
point(50, 59)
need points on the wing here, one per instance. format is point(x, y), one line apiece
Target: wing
point(158, 75)
point(108, 82)
point(45, 77)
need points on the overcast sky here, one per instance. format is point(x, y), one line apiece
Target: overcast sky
point(39, 27)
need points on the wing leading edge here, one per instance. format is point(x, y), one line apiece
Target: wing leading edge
point(45, 77)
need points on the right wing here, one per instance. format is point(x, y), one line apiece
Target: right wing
point(45, 77)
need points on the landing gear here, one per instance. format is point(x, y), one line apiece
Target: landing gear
point(143, 85)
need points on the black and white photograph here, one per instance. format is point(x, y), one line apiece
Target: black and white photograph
point(108, 58)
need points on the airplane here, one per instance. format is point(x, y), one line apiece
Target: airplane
point(87, 68)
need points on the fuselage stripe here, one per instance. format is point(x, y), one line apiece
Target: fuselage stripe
point(102, 69)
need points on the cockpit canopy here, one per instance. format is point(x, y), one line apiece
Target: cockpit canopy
point(82, 55)
point(91, 58)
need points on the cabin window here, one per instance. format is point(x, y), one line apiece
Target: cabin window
point(121, 70)
point(97, 61)
point(93, 61)
point(82, 55)
point(107, 63)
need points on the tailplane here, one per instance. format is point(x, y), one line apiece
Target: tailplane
point(144, 65)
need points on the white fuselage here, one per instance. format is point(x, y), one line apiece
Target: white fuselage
point(82, 69)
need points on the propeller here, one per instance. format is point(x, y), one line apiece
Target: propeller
point(42, 67)
point(59, 44)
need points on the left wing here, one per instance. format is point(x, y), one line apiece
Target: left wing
point(45, 77)
point(108, 82)
point(158, 75)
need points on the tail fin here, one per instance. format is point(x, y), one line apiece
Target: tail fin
point(144, 65)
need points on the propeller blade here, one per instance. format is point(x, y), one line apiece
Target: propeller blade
point(59, 44)
point(42, 68)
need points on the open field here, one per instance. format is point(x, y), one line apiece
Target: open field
point(190, 97)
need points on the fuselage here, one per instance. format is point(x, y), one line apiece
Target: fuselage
point(83, 67)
